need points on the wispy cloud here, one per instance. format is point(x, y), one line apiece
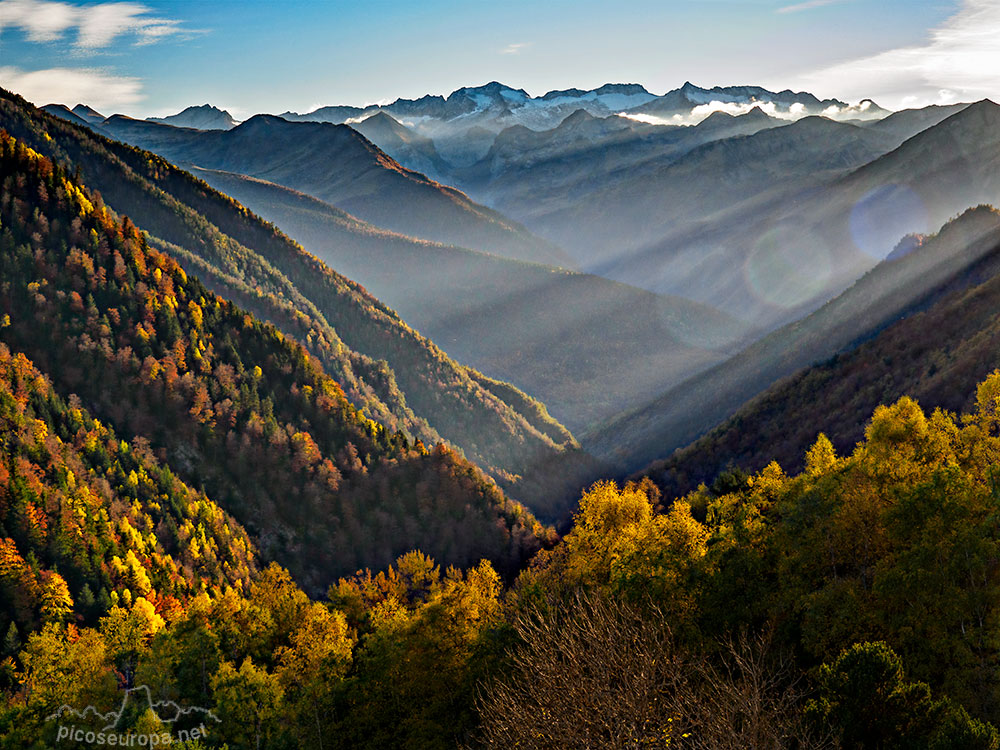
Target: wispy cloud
point(513, 49)
point(70, 86)
point(96, 26)
point(960, 60)
point(807, 5)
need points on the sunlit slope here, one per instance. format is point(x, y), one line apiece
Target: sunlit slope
point(233, 405)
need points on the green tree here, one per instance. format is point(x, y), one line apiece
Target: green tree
point(248, 702)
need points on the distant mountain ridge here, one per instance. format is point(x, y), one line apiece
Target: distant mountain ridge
point(464, 123)
point(63, 112)
point(338, 165)
point(89, 114)
point(204, 117)
point(508, 105)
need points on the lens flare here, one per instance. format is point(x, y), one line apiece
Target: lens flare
point(785, 269)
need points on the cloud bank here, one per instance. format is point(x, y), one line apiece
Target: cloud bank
point(95, 26)
point(795, 111)
point(959, 61)
point(71, 86)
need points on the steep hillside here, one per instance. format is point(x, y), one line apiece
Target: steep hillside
point(586, 346)
point(409, 148)
point(917, 324)
point(229, 401)
point(89, 519)
point(908, 122)
point(812, 226)
point(398, 377)
point(340, 166)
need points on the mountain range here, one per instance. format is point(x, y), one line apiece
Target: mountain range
point(464, 123)
point(577, 333)
point(494, 105)
point(788, 229)
point(769, 224)
point(587, 183)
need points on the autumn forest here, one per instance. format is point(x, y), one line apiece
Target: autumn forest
point(302, 447)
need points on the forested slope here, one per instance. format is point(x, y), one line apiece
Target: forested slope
point(231, 403)
point(387, 369)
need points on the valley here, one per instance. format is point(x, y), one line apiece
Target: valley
point(344, 404)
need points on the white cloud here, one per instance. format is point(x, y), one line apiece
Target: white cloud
point(807, 5)
point(702, 111)
point(513, 49)
point(96, 26)
point(736, 109)
point(795, 111)
point(71, 86)
point(959, 61)
point(650, 119)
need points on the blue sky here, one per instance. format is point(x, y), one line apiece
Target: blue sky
point(154, 57)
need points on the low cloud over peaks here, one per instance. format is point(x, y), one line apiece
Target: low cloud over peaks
point(793, 112)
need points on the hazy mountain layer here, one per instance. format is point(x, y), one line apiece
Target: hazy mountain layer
point(397, 376)
point(338, 165)
point(936, 349)
point(895, 288)
point(538, 175)
point(586, 346)
point(771, 225)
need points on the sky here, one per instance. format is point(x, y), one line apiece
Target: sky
point(155, 57)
